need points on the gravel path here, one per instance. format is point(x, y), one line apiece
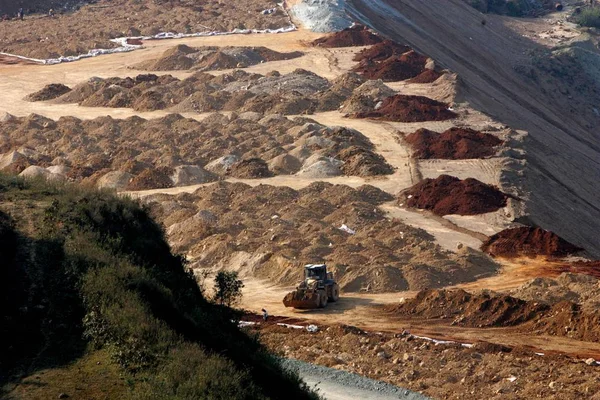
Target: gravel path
point(334, 384)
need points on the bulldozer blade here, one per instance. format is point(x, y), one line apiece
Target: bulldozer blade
point(301, 301)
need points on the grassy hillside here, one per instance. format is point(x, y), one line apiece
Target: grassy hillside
point(86, 277)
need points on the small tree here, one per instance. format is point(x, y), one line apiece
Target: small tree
point(228, 288)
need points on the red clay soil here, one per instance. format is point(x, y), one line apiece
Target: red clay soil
point(402, 108)
point(528, 241)
point(427, 76)
point(450, 195)
point(466, 309)
point(591, 268)
point(396, 68)
point(357, 35)
point(486, 310)
point(381, 51)
point(452, 144)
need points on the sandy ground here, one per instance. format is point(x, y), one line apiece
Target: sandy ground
point(16, 81)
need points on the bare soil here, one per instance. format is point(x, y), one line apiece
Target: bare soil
point(212, 58)
point(266, 231)
point(528, 241)
point(49, 92)
point(75, 32)
point(452, 144)
point(442, 371)
point(450, 195)
point(402, 108)
point(395, 68)
point(357, 35)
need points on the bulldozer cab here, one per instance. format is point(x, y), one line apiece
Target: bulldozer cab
point(317, 271)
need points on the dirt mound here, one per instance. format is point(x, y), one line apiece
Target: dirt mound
point(357, 35)
point(250, 169)
point(367, 96)
point(452, 144)
point(270, 231)
point(298, 92)
point(427, 76)
point(209, 58)
point(359, 161)
point(49, 92)
point(528, 241)
point(449, 195)
point(474, 310)
point(78, 29)
point(152, 178)
point(395, 68)
point(402, 108)
point(182, 144)
point(381, 51)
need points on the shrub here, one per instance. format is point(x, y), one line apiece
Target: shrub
point(589, 17)
point(228, 288)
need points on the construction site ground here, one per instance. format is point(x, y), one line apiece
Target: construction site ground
point(415, 363)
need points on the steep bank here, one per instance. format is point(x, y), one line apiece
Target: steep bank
point(562, 152)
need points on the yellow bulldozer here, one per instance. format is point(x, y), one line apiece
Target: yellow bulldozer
point(315, 291)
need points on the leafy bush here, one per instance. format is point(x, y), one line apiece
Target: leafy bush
point(96, 270)
point(228, 288)
point(589, 17)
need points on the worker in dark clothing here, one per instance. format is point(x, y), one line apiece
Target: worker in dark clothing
point(265, 315)
point(20, 14)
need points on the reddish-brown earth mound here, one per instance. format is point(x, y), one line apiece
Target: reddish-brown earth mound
point(402, 108)
point(395, 68)
point(381, 51)
point(450, 195)
point(452, 144)
point(485, 310)
point(427, 76)
point(528, 240)
point(591, 268)
point(49, 92)
point(152, 178)
point(466, 309)
point(357, 35)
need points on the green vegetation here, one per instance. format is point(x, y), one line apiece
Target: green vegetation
point(86, 272)
point(228, 288)
point(589, 17)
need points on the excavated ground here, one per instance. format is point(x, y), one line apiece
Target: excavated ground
point(357, 35)
point(402, 108)
point(91, 27)
point(210, 58)
point(268, 232)
point(452, 144)
point(298, 92)
point(112, 152)
point(449, 195)
point(528, 241)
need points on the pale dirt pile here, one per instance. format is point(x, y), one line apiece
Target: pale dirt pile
point(172, 151)
point(444, 371)
point(298, 92)
point(576, 288)
point(210, 58)
point(76, 32)
point(271, 232)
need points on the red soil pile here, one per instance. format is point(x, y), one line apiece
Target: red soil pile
point(357, 35)
point(450, 195)
point(393, 69)
point(49, 92)
point(402, 108)
point(452, 144)
point(530, 241)
point(427, 76)
point(486, 310)
point(152, 178)
point(381, 51)
point(473, 310)
point(591, 268)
